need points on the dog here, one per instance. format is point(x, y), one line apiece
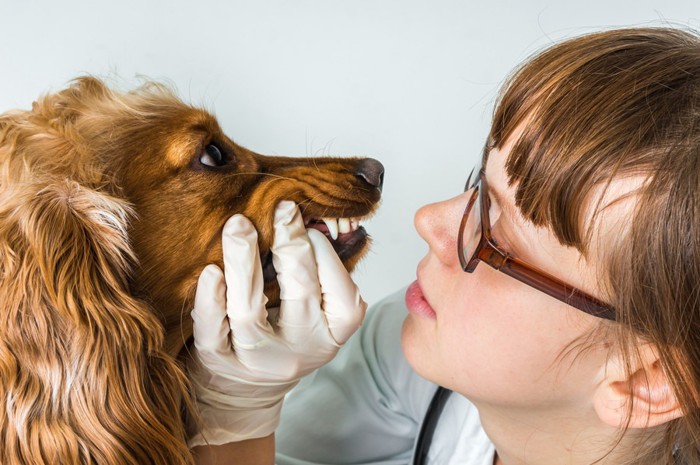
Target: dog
point(111, 204)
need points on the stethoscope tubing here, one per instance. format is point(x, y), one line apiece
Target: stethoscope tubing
point(427, 430)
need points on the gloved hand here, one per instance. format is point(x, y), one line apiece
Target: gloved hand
point(241, 367)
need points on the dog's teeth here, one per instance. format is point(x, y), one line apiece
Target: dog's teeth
point(354, 224)
point(332, 224)
point(344, 225)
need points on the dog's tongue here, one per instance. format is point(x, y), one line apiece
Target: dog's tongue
point(320, 225)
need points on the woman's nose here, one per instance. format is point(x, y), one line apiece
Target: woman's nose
point(438, 225)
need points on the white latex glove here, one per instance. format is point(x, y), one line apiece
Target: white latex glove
point(242, 367)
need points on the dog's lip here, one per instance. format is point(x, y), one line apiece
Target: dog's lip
point(346, 245)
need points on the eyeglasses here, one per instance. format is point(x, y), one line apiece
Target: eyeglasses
point(476, 244)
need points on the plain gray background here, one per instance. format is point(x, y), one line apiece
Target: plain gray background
point(409, 82)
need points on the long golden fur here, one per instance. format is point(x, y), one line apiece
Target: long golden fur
point(108, 212)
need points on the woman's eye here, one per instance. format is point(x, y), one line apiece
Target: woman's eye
point(212, 156)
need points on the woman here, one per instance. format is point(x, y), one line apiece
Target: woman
point(577, 340)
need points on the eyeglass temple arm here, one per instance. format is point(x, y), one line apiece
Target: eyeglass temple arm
point(547, 284)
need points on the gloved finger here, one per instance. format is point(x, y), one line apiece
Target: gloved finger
point(245, 300)
point(297, 275)
point(210, 324)
point(342, 303)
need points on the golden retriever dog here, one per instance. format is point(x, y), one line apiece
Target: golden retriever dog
point(111, 204)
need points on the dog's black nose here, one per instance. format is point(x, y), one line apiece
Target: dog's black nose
point(372, 171)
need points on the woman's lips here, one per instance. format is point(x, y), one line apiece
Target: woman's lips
point(416, 303)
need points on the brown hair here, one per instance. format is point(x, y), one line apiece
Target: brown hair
point(85, 376)
point(613, 104)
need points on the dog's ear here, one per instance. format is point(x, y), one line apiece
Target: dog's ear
point(83, 374)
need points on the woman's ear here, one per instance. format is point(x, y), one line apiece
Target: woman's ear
point(638, 398)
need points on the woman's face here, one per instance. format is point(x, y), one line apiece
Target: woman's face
point(488, 336)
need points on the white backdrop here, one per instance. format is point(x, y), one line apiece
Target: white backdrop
point(409, 82)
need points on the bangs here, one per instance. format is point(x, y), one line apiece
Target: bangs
point(570, 105)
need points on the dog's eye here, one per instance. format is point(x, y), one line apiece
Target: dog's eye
point(212, 156)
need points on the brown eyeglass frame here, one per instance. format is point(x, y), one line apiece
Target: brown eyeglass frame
point(487, 251)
